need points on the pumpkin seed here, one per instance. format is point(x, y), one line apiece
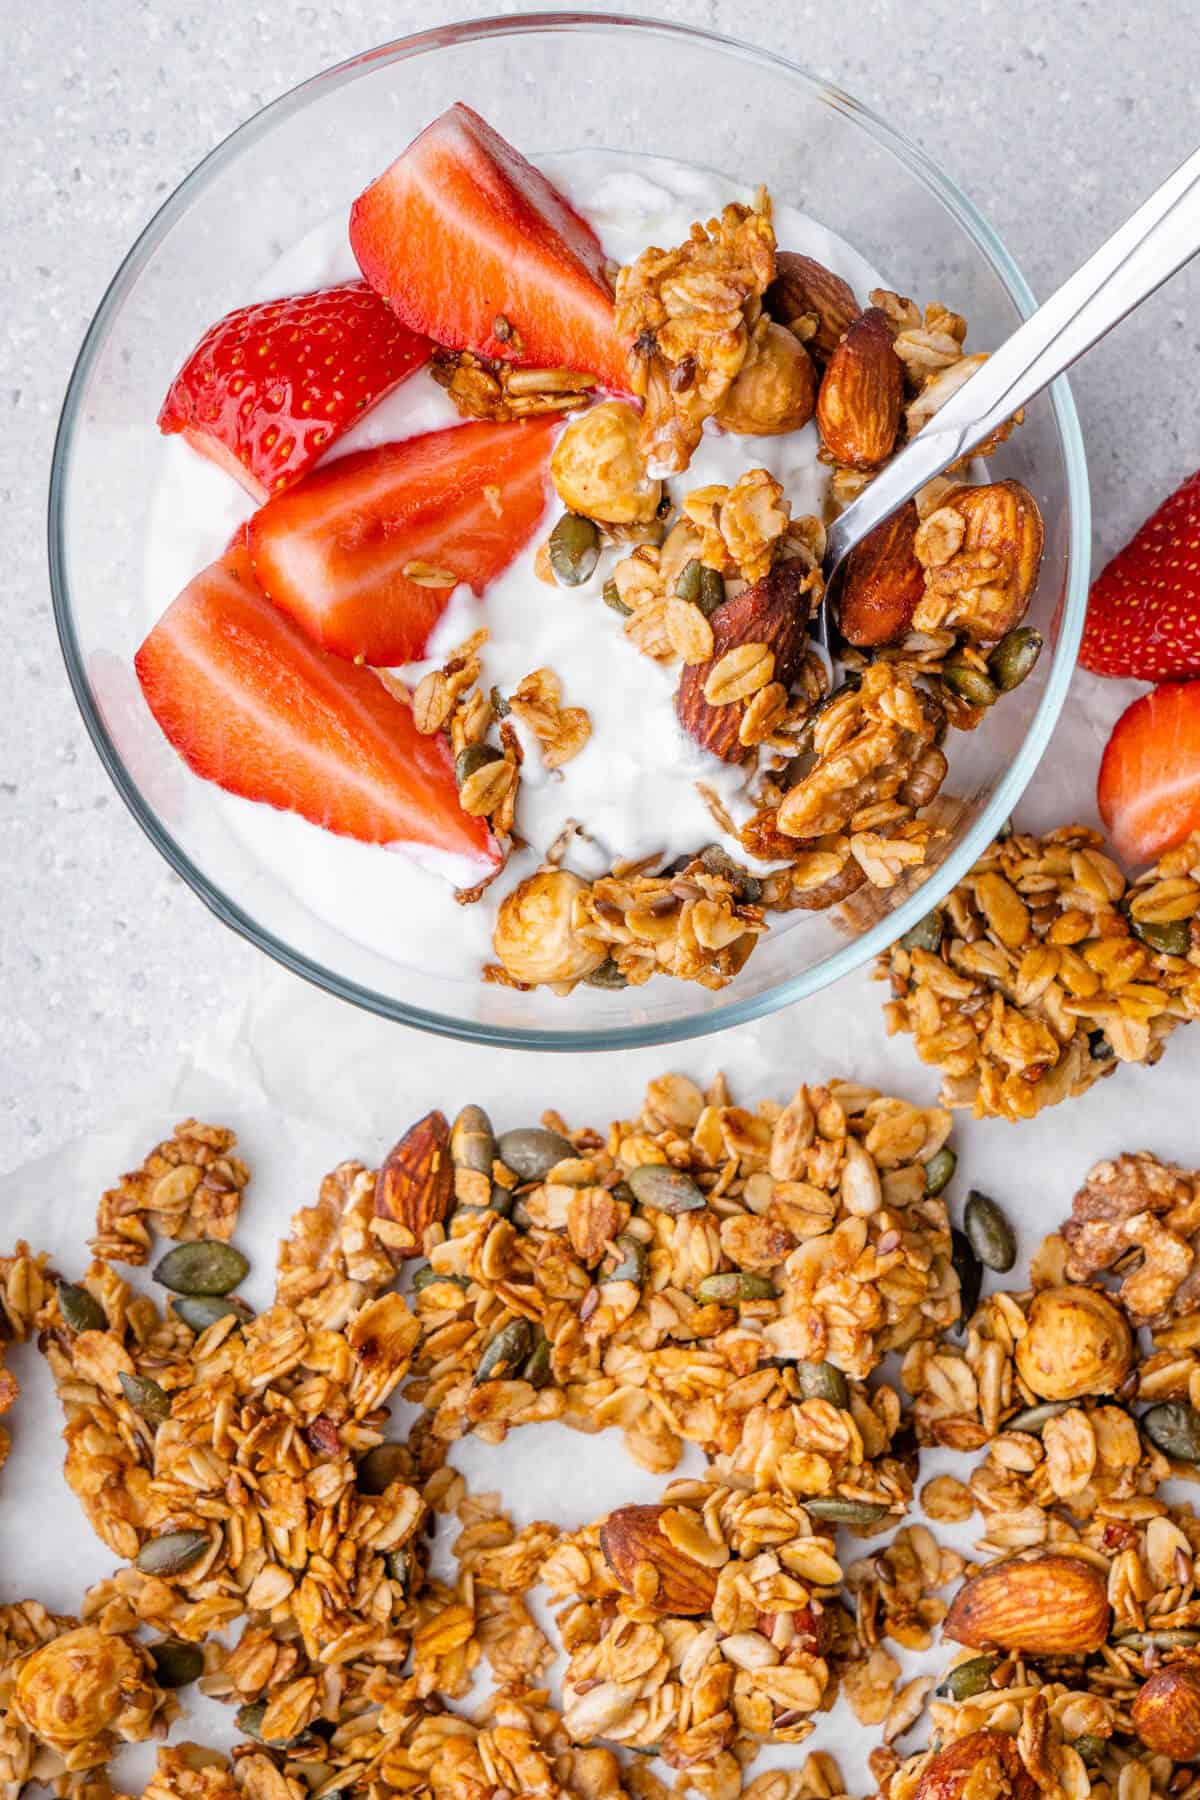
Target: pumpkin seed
point(202, 1310)
point(926, 934)
point(822, 1381)
point(176, 1663)
point(172, 1553)
point(969, 1678)
point(396, 1562)
point(537, 1371)
point(146, 1397)
point(574, 549)
point(1172, 938)
point(969, 1270)
point(1034, 1417)
point(1090, 1746)
point(844, 1512)
point(688, 586)
point(1157, 1640)
point(381, 1466)
point(80, 1310)
point(532, 1152)
point(473, 758)
point(989, 1233)
point(1174, 1428)
point(939, 1170)
point(701, 586)
point(733, 1287)
point(500, 705)
point(608, 975)
point(719, 862)
point(204, 1266)
point(1015, 657)
point(508, 1350)
point(249, 1719)
point(632, 1266)
point(427, 1275)
point(472, 1141)
point(968, 682)
point(611, 595)
point(665, 1189)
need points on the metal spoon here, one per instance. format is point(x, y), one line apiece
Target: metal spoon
point(1162, 235)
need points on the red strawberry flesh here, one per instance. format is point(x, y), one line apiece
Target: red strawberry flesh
point(1149, 785)
point(1143, 615)
point(474, 247)
point(251, 704)
point(270, 388)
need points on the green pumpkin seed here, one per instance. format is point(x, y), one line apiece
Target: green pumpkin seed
point(145, 1397)
point(665, 1189)
point(1015, 657)
point(176, 1663)
point(989, 1233)
point(509, 1349)
point(1174, 1428)
point(500, 705)
point(688, 586)
point(172, 1553)
point(969, 1270)
point(822, 1381)
point(607, 975)
point(80, 1310)
point(632, 1266)
point(537, 1371)
point(1090, 1746)
point(398, 1563)
point(382, 1465)
point(1157, 1640)
point(427, 1276)
point(926, 934)
point(248, 1719)
point(611, 595)
point(205, 1266)
point(837, 1511)
point(701, 586)
point(719, 862)
point(939, 1170)
point(473, 758)
point(968, 682)
point(574, 549)
point(472, 1141)
point(1172, 938)
point(532, 1152)
point(731, 1288)
point(1034, 1417)
point(969, 1678)
point(202, 1310)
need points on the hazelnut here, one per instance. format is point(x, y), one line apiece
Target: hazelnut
point(776, 390)
point(535, 936)
point(597, 470)
point(1166, 1713)
point(1078, 1342)
point(76, 1686)
point(988, 1761)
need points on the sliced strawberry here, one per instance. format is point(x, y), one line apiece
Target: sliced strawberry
point(250, 703)
point(474, 247)
point(1149, 786)
point(1143, 615)
point(365, 554)
point(269, 388)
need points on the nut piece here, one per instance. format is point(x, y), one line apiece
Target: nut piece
point(982, 583)
point(884, 582)
point(1078, 1343)
point(1054, 1605)
point(597, 471)
point(77, 1686)
point(776, 390)
point(772, 614)
point(648, 1567)
point(810, 299)
point(989, 1760)
point(858, 407)
point(535, 936)
point(415, 1185)
point(1166, 1713)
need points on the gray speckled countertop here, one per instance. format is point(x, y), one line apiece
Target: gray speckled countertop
point(1055, 119)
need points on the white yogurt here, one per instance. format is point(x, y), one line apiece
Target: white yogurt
point(633, 788)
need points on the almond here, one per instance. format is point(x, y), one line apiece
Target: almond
point(858, 407)
point(415, 1186)
point(1053, 1605)
point(648, 1567)
point(1003, 520)
point(1166, 1713)
point(995, 1754)
point(772, 614)
point(884, 582)
point(805, 289)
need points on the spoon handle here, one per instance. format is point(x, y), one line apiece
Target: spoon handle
point(1156, 241)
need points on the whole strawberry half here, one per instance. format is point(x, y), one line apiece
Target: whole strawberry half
point(1149, 786)
point(1143, 615)
point(269, 388)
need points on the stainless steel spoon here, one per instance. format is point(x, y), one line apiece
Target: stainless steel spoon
point(1162, 235)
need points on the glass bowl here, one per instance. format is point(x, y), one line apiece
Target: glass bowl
point(550, 82)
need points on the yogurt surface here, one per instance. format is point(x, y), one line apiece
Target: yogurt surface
point(633, 787)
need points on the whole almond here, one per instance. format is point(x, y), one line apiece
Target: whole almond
point(804, 289)
point(648, 1567)
point(1054, 1605)
point(1166, 1713)
point(1002, 520)
point(947, 1774)
point(883, 583)
point(862, 392)
point(772, 614)
point(415, 1185)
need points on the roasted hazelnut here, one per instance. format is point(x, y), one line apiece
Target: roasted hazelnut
point(77, 1686)
point(776, 390)
point(535, 936)
point(597, 471)
point(1078, 1343)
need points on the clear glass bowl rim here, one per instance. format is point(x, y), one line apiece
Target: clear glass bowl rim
point(853, 954)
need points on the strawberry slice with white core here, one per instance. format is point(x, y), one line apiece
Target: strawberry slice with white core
point(270, 388)
point(251, 704)
point(474, 247)
point(366, 553)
